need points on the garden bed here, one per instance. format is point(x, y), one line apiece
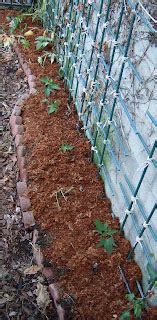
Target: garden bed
point(67, 196)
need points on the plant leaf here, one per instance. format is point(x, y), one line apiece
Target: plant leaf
point(53, 107)
point(66, 147)
point(25, 43)
point(40, 60)
point(52, 57)
point(45, 80)
point(137, 307)
point(54, 86)
point(42, 42)
point(125, 315)
point(130, 297)
point(152, 272)
point(108, 244)
point(47, 91)
point(100, 227)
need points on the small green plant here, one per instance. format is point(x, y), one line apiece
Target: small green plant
point(53, 107)
point(24, 42)
point(66, 147)
point(106, 236)
point(43, 41)
point(136, 305)
point(15, 23)
point(46, 55)
point(50, 85)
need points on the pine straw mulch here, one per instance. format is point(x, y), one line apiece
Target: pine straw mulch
point(89, 278)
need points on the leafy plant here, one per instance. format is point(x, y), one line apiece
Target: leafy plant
point(15, 22)
point(66, 147)
point(38, 14)
point(43, 41)
point(53, 107)
point(50, 85)
point(49, 55)
point(24, 42)
point(137, 305)
point(106, 236)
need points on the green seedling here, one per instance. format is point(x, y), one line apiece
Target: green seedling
point(15, 23)
point(46, 55)
point(136, 305)
point(66, 147)
point(43, 41)
point(53, 107)
point(24, 42)
point(106, 236)
point(49, 85)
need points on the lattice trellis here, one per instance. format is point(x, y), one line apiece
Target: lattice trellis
point(88, 42)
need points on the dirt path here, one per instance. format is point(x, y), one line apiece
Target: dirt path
point(17, 291)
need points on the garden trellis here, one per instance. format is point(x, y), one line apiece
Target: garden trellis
point(95, 48)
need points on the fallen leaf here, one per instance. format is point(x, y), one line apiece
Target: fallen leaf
point(32, 270)
point(43, 299)
point(28, 33)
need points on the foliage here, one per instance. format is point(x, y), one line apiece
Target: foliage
point(24, 42)
point(106, 236)
point(49, 55)
point(137, 305)
point(152, 271)
point(14, 24)
point(53, 107)
point(66, 147)
point(61, 73)
point(43, 41)
point(50, 85)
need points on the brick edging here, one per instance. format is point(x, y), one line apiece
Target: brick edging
point(17, 131)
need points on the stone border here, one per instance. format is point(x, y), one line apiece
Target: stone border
point(17, 131)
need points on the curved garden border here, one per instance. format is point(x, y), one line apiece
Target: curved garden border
point(17, 130)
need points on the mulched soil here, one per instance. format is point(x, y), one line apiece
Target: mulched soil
point(17, 289)
point(90, 282)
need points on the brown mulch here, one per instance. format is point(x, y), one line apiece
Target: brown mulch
point(89, 278)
